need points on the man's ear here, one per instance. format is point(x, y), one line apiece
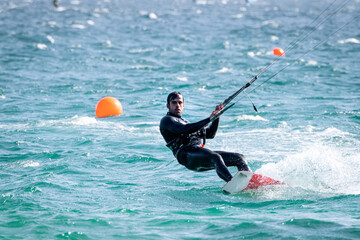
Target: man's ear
point(168, 106)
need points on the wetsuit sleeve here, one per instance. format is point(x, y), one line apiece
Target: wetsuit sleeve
point(173, 126)
point(211, 131)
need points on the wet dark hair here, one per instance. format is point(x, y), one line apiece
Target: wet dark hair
point(174, 95)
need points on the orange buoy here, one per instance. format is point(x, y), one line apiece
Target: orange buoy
point(279, 52)
point(108, 106)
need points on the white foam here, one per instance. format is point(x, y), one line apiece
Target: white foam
point(78, 26)
point(83, 120)
point(183, 79)
point(150, 15)
point(41, 46)
point(238, 16)
point(253, 54)
point(76, 120)
point(143, 13)
point(60, 9)
point(52, 23)
point(141, 50)
point(223, 70)
point(274, 38)
point(203, 88)
point(272, 23)
point(108, 43)
point(153, 16)
point(30, 164)
point(201, 2)
point(51, 39)
point(318, 168)
point(349, 40)
point(75, 2)
point(251, 117)
point(87, 122)
point(275, 144)
point(311, 63)
point(101, 10)
point(140, 67)
point(10, 195)
point(332, 131)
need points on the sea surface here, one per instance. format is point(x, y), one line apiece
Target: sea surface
point(65, 174)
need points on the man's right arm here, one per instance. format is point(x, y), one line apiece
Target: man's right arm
point(170, 124)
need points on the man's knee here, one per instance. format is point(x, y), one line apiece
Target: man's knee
point(216, 158)
point(241, 162)
point(240, 156)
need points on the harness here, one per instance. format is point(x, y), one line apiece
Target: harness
point(185, 140)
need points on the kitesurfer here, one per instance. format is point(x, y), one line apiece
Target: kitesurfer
point(185, 141)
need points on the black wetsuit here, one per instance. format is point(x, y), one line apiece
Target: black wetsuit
point(184, 139)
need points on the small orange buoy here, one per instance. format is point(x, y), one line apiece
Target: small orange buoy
point(108, 106)
point(279, 52)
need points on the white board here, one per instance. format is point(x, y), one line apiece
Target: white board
point(238, 183)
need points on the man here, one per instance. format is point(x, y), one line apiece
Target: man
point(184, 139)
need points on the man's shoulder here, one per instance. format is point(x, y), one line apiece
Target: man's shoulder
point(166, 119)
point(170, 119)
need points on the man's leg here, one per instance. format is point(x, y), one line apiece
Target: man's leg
point(234, 160)
point(203, 159)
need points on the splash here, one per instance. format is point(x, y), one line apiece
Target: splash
point(318, 168)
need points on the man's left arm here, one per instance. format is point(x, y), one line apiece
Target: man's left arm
point(211, 131)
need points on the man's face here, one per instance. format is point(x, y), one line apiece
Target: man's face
point(176, 106)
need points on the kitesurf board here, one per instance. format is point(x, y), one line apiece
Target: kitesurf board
point(244, 180)
point(238, 183)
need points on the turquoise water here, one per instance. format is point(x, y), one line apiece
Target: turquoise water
point(66, 174)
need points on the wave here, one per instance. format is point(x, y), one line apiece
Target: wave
point(84, 121)
point(320, 160)
point(318, 168)
point(251, 117)
point(349, 40)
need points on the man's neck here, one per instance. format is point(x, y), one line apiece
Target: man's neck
point(169, 113)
